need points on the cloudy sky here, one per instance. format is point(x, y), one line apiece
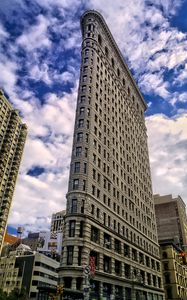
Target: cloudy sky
point(39, 69)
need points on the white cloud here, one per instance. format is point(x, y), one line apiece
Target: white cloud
point(45, 193)
point(182, 76)
point(8, 74)
point(167, 138)
point(182, 97)
point(3, 33)
point(40, 73)
point(154, 83)
point(36, 37)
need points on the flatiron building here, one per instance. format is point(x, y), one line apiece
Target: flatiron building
point(110, 246)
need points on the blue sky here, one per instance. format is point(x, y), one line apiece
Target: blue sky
point(40, 58)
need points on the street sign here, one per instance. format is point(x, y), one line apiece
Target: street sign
point(87, 270)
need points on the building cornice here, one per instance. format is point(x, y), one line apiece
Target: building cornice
point(117, 50)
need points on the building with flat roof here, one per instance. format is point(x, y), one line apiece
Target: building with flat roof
point(110, 224)
point(57, 222)
point(12, 140)
point(171, 219)
point(24, 268)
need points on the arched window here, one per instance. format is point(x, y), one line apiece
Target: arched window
point(118, 72)
point(123, 81)
point(99, 39)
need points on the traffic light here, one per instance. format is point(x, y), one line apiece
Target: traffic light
point(60, 289)
point(183, 255)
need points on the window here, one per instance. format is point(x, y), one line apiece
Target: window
point(107, 241)
point(81, 228)
point(70, 255)
point(74, 206)
point(85, 168)
point(93, 190)
point(107, 264)
point(127, 271)
point(85, 69)
point(80, 123)
point(79, 137)
point(94, 174)
point(77, 167)
point(78, 151)
point(94, 234)
point(79, 255)
point(72, 228)
point(83, 98)
point(99, 39)
point(84, 185)
point(117, 267)
point(104, 219)
point(75, 184)
point(134, 255)
point(126, 250)
point(112, 61)
point(106, 51)
point(167, 278)
point(81, 111)
point(92, 209)
point(117, 246)
point(82, 206)
point(83, 88)
point(109, 221)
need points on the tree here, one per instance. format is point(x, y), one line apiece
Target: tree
point(17, 294)
point(3, 295)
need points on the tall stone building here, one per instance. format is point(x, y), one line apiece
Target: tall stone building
point(171, 219)
point(12, 139)
point(110, 243)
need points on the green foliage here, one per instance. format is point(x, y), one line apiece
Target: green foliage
point(17, 295)
point(3, 295)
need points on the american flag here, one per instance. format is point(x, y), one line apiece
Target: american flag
point(92, 265)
